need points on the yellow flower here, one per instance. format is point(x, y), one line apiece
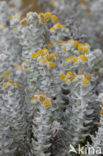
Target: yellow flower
point(47, 103)
point(75, 59)
point(7, 73)
point(5, 84)
point(48, 15)
point(87, 76)
point(43, 60)
point(51, 65)
point(34, 55)
point(58, 25)
point(72, 77)
point(43, 14)
point(17, 84)
point(60, 41)
point(63, 26)
point(11, 82)
point(25, 67)
point(42, 98)
point(52, 28)
point(86, 50)
point(85, 82)
point(76, 43)
point(67, 80)
point(51, 43)
point(34, 98)
point(83, 58)
point(80, 48)
point(70, 73)
point(3, 74)
point(43, 52)
point(54, 55)
point(49, 57)
point(80, 45)
point(7, 76)
point(101, 112)
point(42, 17)
point(46, 50)
point(64, 49)
point(11, 17)
point(24, 22)
point(62, 76)
point(40, 52)
point(69, 58)
point(54, 18)
point(80, 73)
point(86, 44)
point(17, 66)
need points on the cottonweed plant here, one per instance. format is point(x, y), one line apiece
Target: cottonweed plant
point(48, 92)
point(97, 139)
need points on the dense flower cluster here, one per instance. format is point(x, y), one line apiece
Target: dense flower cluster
point(49, 90)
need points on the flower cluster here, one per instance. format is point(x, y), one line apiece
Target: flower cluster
point(46, 58)
point(10, 82)
point(45, 100)
point(70, 77)
point(48, 17)
point(81, 58)
point(58, 26)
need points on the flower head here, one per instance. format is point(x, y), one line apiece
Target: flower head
point(101, 112)
point(51, 65)
point(47, 103)
point(85, 82)
point(41, 98)
point(69, 73)
point(42, 17)
point(5, 84)
point(17, 85)
point(34, 55)
point(69, 58)
point(75, 59)
point(62, 76)
point(80, 48)
point(87, 76)
point(54, 18)
point(76, 43)
point(86, 50)
point(10, 82)
point(83, 58)
point(48, 15)
point(24, 22)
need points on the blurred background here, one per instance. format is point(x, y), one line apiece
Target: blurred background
point(25, 5)
point(38, 5)
point(28, 5)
